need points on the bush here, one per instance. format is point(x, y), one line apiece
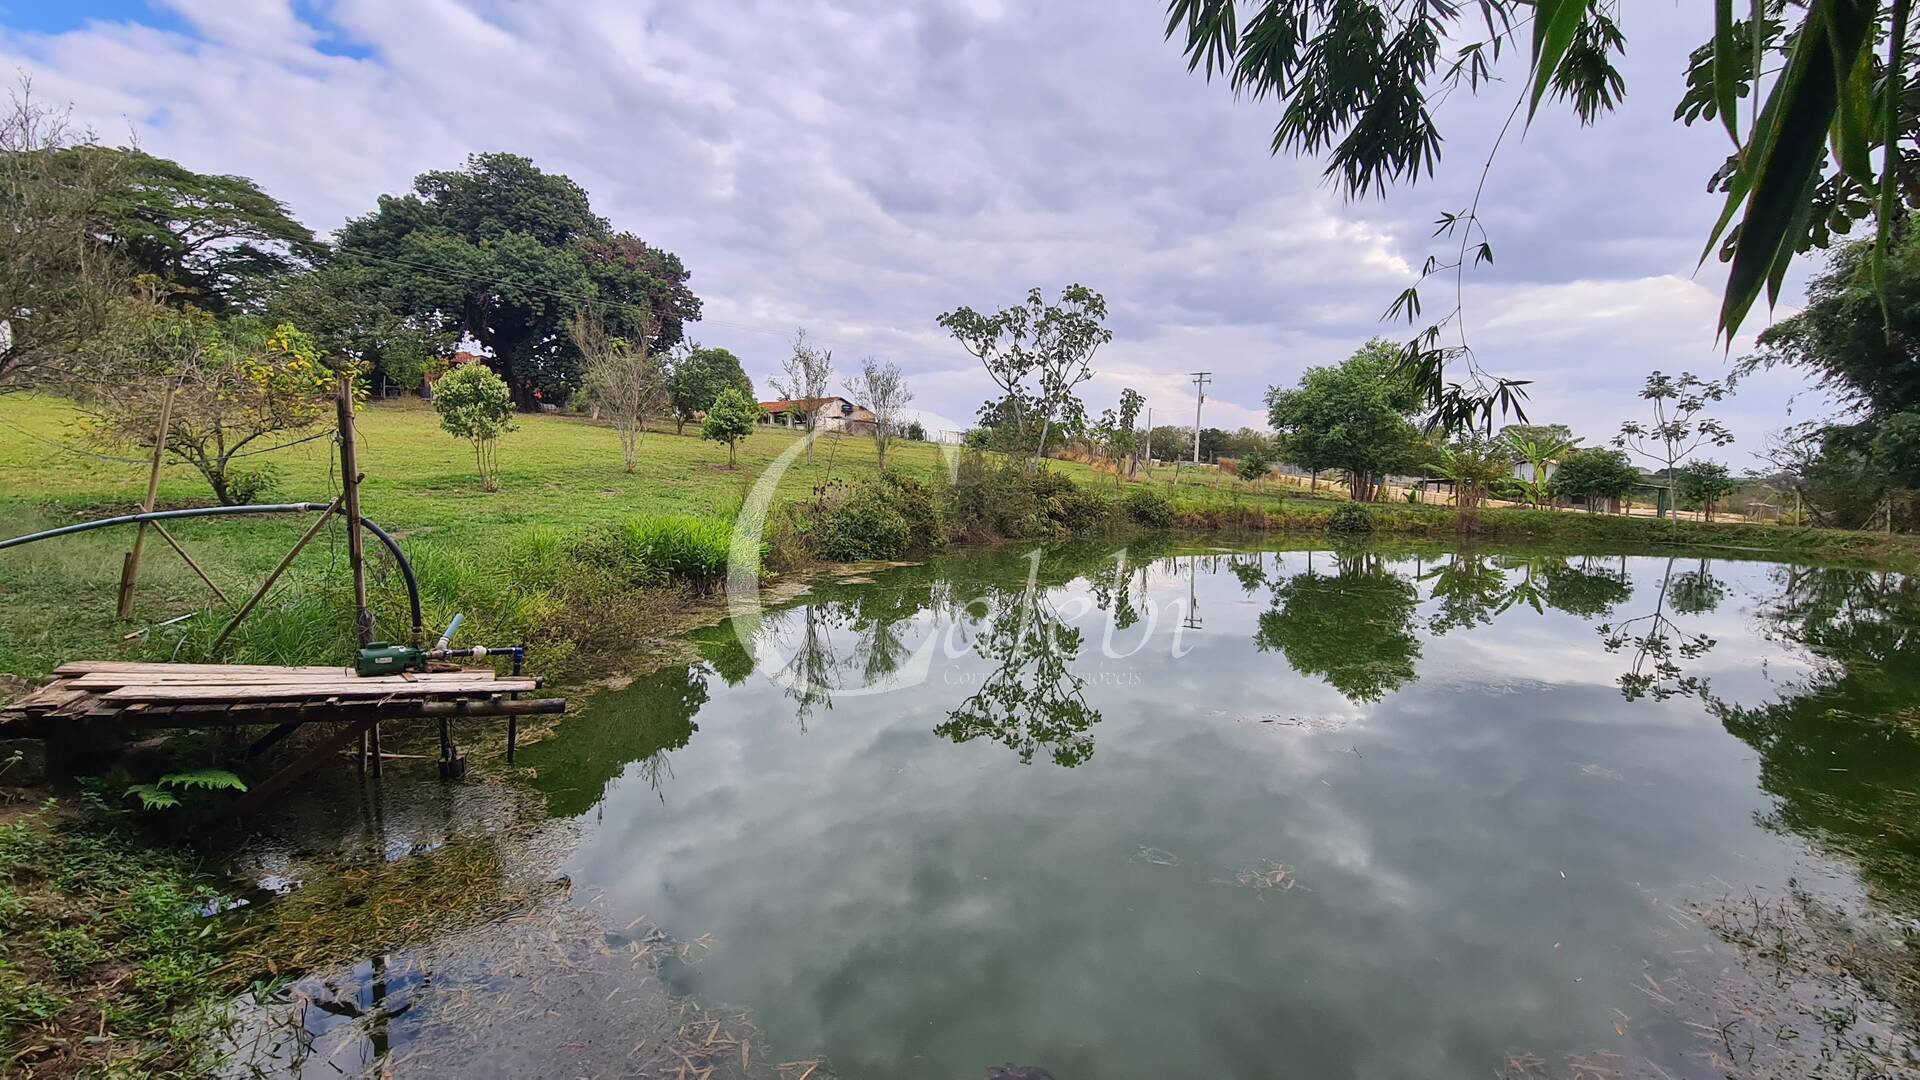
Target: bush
point(252, 485)
point(1255, 465)
point(885, 517)
point(1350, 519)
point(864, 526)
point(1147, 506)
point(1068, 506)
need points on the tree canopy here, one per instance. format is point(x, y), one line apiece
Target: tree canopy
point(218, 241)
point(504, 253)
point(695, 377)
point(1352, 417)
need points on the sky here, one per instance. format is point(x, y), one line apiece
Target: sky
point(857, 168)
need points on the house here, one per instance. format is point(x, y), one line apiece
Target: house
point(446, 364)
point(830, 414)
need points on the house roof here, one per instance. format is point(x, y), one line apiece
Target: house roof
point(801, 404)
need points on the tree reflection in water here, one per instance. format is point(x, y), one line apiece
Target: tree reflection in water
point(1031, 701)
point(1353, 628)
point(1659, 643)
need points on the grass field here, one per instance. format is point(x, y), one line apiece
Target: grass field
point(494, 554)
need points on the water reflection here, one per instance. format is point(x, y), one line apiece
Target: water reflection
point(1031, 700)
point(1496, 828)
point(1353, 627)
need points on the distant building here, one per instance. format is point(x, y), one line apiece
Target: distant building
point(830, 414)
point(459, 359)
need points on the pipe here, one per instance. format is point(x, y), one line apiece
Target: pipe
point(162, 515)
point(393, 548)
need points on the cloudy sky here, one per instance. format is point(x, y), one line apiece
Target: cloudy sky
point(857, 168)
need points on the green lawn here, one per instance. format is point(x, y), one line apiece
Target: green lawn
point(56, 597)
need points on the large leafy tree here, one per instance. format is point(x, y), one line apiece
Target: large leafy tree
point(504, 253)
point(1352, 417)
point(1862, 346)
point(1825, 86)
point(219, 242)
point(695, 377)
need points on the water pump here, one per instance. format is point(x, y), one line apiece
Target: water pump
point(386, 658)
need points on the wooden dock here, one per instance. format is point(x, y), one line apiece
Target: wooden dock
point(146, 696)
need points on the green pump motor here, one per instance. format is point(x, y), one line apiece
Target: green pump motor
point(382, 658)
point(386, 658)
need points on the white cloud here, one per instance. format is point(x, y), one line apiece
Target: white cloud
point(858, 168)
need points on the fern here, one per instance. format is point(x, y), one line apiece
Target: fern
point(204, 780)
point(153, 797)
point(157, 796)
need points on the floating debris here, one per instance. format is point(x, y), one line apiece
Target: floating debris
point(1156, 856)
point(1268, 876)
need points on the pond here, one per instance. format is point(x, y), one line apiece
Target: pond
point(1129, 814)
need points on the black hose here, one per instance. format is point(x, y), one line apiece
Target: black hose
point(406, 568)
point(162, 515)
point(406, 572)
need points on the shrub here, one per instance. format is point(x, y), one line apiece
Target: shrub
point(251, 485)
point(1147, 506)
point(474, 404)
point(864, 526)
point(918, 504)
point(1351, 518)
point(1068, 506)
point(1255, 465)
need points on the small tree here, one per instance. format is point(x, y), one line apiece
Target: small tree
point(1704, 482)
point(1053, 344)
point(915, 431)
point(804, 378)
point(885, 392)
point(1255, 465)
point(620, 376)
point(731, 419)
point(1594, 474)
point(1351, 417)
point(1539, 449)
point(695, 377)
point(1474, 463)
point(232, 385)
point(1678, 428)
point(475, 404)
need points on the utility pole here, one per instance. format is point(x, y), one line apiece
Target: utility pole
point(1200, 380)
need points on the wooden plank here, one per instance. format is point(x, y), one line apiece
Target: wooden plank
point(354, 688)
point(83, 667)
point(107, 680)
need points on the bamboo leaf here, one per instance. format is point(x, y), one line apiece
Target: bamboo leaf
point(1791, 146)
point(1852, 133)
point(1554, 24)
point(1726, 46)
point(1889, 187)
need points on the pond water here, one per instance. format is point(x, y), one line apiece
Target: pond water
point(1372, 812)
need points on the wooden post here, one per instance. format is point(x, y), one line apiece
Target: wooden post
point(182, 552)
point(130, 569)
point(356, 550)
point(261, 593)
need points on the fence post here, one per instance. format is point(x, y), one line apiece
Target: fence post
point(130, 569)
point(356, 550)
